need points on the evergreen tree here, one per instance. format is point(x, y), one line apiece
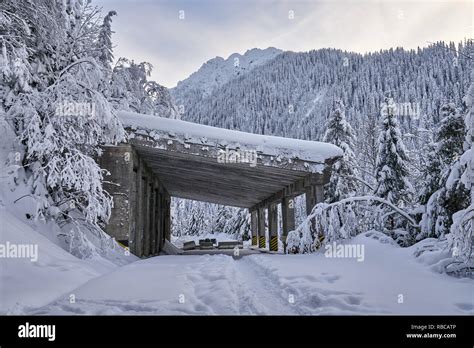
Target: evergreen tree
point(131, 90)
point(223, 216)
point(106, 56)
point(391, 167)
point(431, 174)
point(343, 177)
point(460, 238)
point(450, 135)
point(61, 117)
point(442, 193)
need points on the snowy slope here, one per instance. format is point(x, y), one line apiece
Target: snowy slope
point(27, 283)
point(218, 71)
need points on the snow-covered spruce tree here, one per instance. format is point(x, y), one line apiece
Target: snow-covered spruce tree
point(59, 114)
point(105, 56)
point(460, 238)
point(131, 90)
point(392, 173)
point(339, 132)
point(238, 224)
point(196, 223)
point(391, 167)
point(450, 134)
point(431, 174)
point(224, 214)
point(443, 199)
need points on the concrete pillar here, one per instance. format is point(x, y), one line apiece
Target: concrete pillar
point(133, 209)
point(161, 220)
point(314, 195)
point(147, 215)
point(254, 227)
point(261, 228)
point(157, 219)
point(288, 217)
point(119, 162)
point(273, 226)
point(140, 218)
point(138, 241)
point(167, 215)
point(153, 219)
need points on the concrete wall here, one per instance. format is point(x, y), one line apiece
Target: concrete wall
point(140, 218)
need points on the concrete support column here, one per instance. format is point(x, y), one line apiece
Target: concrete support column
point(157, 220)
point(147, 215)
point(314, 195)
point(254, 227)
point(161, 226)
point(138, 241)
point(261, 228)
point(153, 250)
point(167, 208)
point(273, 226)
point(288, 217)
point(133, 209)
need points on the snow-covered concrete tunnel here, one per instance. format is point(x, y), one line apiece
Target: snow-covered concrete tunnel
point(166, 158)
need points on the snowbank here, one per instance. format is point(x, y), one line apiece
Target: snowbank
point(311, 151)
point(26, 283)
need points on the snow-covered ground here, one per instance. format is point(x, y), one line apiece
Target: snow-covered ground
point(389, 280)
point(36, 283)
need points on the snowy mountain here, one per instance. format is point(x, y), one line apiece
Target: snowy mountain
point(218, 71)
point(293, 94)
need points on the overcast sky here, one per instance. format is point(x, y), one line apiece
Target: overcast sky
point(155, 30)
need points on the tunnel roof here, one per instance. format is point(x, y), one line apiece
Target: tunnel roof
point(305, 150)
point(204, 163)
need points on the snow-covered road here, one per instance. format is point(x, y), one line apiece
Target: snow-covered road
point(389, 281)
point(209, 284)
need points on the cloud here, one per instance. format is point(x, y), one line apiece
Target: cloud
point(152, 31)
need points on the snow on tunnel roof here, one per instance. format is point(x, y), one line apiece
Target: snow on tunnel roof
point(312, 151)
